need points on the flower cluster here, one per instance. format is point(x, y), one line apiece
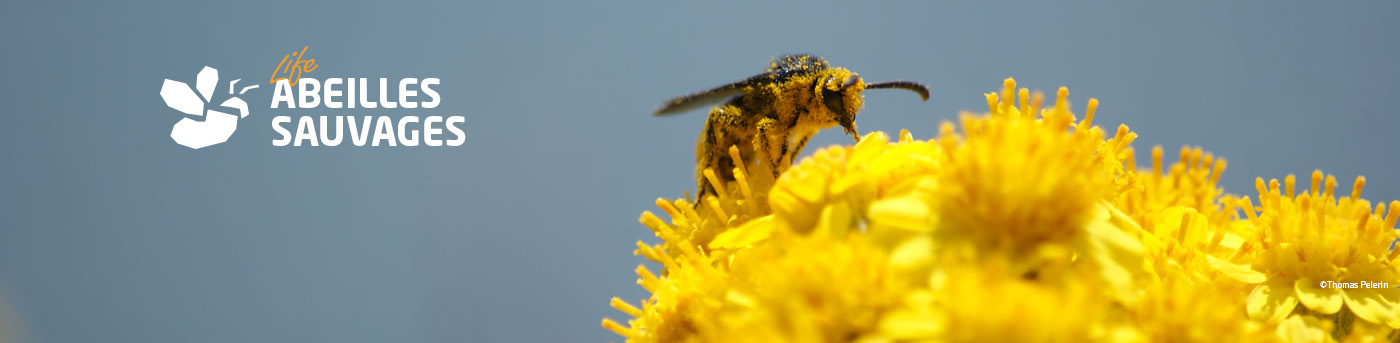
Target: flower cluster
point(1024, 224)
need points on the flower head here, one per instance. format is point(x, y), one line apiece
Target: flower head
point(1306, 240)
point(982, 301)
point(1186, 310)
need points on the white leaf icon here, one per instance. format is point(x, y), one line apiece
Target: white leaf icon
point(205, 82)
point(178, 96)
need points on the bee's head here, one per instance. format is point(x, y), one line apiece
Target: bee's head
point(840, 93)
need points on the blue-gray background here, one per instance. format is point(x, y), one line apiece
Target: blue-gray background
point(110, 232)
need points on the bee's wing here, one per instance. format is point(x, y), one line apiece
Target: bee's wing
point(709, 97)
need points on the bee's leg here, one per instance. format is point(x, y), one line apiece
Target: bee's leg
point(705, 158)
point(797, 149)
point(712, 151)
point(771, 144)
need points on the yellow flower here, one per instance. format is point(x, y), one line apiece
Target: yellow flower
point(1014, 184)
point(682, 299)
point(694, 226)
point(727, 268)
point(836, 185)
point(1314, 237)
point(1183, 310)
point(812, 289)
point(685, 299)
point(1027, 187)
point(1191, 182)
point(824, 183)
point(984, 302)
point(792, 289)
point(1182, 244)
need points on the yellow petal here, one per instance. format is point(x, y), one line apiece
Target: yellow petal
point(1232, 240)
point(1298, 330)
point(913, 254)
point(1122, 220)
point(909, 324)
point(1169, 225)
point(835, 220)
point(1390, 304)
point(784, 202)
point(739, 299)
point(1115, 233)
point(1271, 300)
point(1242, 273)
point(751, 232)
point(1316, 298)
point(1119, 256)
point(808, 187)
point(1369, 305)
point(907, 213)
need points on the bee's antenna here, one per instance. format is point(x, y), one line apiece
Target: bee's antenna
point(910, 85)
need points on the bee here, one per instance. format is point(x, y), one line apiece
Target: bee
point(770, 117)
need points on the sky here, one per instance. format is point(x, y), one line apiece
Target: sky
point(110, 231)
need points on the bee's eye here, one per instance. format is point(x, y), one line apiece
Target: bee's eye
point(833, 101)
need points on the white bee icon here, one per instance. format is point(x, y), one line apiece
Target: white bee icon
point(216, 126)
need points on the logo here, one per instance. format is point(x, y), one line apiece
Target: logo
point(311, 112)
point(216, 126)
